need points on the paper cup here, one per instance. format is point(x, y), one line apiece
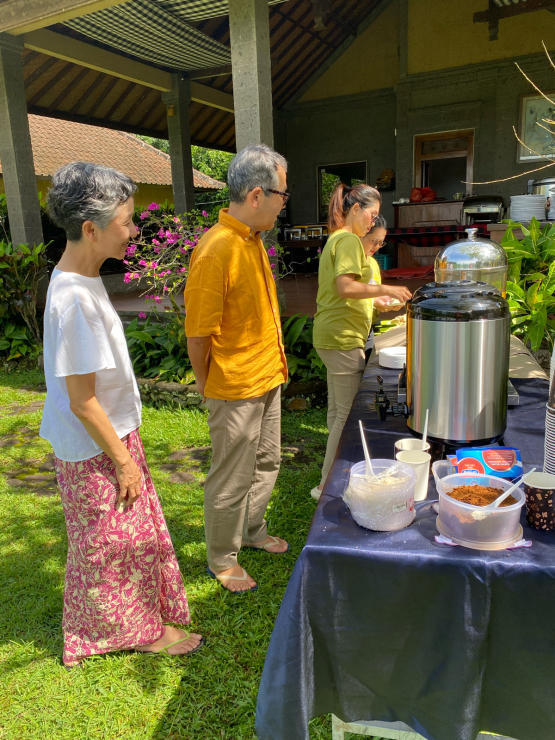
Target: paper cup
point(419, 461)
point(411, 443)
point(540, 500)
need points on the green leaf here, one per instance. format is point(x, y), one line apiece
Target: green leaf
point(142, 336)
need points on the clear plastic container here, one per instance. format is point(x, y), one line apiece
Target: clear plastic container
point(474, 526)
point(384, 501)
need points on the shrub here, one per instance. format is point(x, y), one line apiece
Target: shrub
point(531, 283)
point(20, 270)
point(158, 348)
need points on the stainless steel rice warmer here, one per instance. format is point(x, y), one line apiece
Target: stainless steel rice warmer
point(458, 361)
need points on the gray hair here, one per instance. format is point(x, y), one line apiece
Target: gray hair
point(82, 191)
point(254, 166)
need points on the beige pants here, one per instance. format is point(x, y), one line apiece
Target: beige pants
point(245, 462)
point(345, 369)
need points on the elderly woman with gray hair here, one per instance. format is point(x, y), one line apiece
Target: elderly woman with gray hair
point(122, 577)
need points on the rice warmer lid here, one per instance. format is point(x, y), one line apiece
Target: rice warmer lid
point(460, 300)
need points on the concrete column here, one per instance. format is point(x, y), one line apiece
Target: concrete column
point(251, 68)
point(177, 104)
point(16, 153)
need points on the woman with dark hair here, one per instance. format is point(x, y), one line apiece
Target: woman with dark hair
point(122, 577)
point(347, 286)
point(372, 242)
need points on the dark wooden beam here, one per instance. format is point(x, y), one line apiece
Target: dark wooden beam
point(494, 13)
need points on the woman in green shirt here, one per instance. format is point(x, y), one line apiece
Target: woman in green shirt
point(346, 287)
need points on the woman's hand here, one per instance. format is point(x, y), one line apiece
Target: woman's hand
point(397, 293)
point(130, 481)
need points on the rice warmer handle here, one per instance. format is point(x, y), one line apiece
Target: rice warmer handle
point(458, 361)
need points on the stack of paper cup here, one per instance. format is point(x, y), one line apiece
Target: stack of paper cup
point(549, 448)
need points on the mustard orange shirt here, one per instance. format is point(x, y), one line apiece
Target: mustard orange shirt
point(230, 296)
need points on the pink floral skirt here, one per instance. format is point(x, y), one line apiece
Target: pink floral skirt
point(122, 577)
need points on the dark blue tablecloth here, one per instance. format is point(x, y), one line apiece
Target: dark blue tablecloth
point(392, 626)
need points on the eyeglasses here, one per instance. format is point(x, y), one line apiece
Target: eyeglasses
point(284, 194)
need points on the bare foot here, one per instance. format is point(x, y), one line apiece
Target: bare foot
point(272, 544)
point(173, 641)
point(235, 579)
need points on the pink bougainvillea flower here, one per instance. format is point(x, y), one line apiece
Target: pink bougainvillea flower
point(157, 250)
point(205, 228)
point(135, 276)
point(144, 214)
point(153, 207)
point(166, 288)
point(143, 263)
point(272, 265)
point(131, 249)
point(205, 214)
point(154, 265)
point(176, 220)
point(125, 262)
point(272, 252)
point(142, 315)
point(127, 277)
point(182, 269)
point(155, 242)
point(157, 298)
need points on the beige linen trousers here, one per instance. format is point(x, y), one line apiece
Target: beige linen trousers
point(245, 438)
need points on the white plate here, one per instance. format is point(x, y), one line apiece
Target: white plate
point(392, 357)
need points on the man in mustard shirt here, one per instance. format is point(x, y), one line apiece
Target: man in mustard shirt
point(235, 346)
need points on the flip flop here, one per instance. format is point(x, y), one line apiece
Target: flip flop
point(274, 541)
point(164, 650)
point(244, 577)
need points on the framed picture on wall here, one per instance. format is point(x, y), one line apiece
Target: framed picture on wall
point(537, 129)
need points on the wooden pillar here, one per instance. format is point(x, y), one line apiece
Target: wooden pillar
point(177, 106)
point(251, 68)
point(16, 153)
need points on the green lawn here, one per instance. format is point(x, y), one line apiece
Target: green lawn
point(123, 695)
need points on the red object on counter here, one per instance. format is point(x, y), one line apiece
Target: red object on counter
point(422, 195)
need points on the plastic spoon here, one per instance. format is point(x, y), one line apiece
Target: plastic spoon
point(369, 470)
point(425, 434)
point(499, 500)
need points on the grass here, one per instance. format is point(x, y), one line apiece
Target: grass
point(211, 695)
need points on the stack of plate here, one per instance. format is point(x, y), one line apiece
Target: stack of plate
point(551, 214)
point(525, 207)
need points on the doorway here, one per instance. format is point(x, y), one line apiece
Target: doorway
point(444, 162)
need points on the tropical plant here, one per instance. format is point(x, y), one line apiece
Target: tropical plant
point(21, 267)
point(158, 348)
point(302, 359)
point(531, 283)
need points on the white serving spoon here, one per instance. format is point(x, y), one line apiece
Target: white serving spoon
point(369, 470)
point(425, 434)
point(499, 500)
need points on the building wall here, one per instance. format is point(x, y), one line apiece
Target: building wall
point(457, 79)
point(347, 129)
point(442, 34)
point(371, 62)
point(145, 193)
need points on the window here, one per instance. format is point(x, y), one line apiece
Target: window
point(329, 175)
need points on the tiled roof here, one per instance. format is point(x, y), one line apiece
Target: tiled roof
point(56, 142)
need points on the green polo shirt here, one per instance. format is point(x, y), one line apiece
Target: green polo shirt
point(343, 323)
